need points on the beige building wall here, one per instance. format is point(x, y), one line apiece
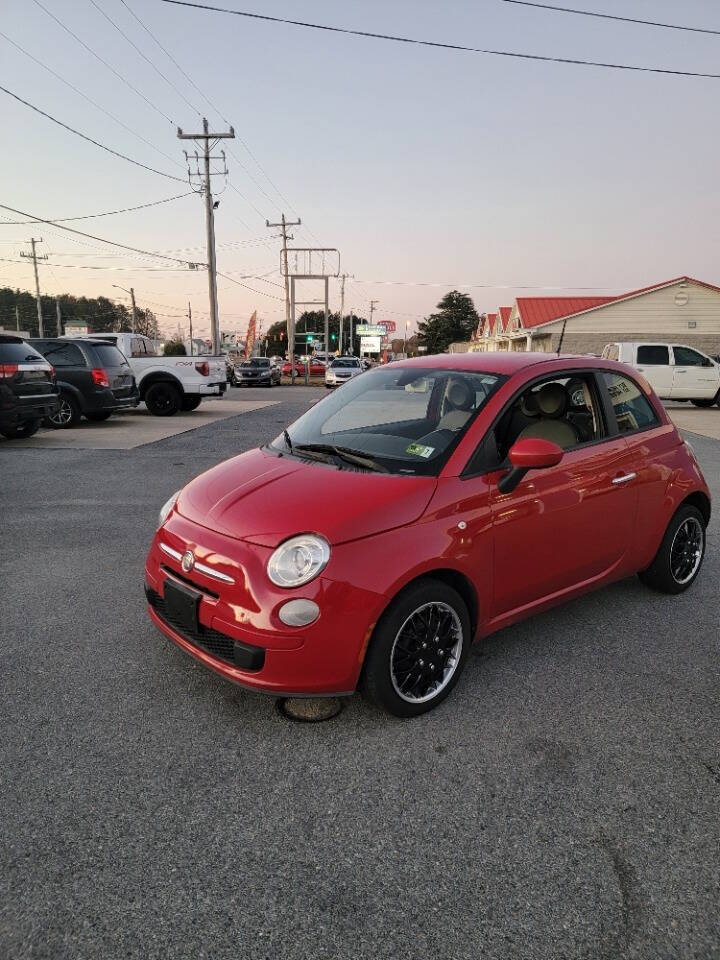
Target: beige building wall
point(684, 313)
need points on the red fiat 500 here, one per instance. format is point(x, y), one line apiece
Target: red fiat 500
point(376, 537)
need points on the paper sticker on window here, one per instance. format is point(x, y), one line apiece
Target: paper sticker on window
point(420, 450)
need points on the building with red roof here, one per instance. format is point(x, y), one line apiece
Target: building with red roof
point(681, 310)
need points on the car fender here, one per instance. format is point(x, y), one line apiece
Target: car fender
point(65, 387)
point(157, 376)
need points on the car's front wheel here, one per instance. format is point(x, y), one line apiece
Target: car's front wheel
point(705, 402)
point(418, 649)
point(678, 561)
point(66, 415)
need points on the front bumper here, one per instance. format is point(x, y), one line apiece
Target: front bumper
point(240, 635)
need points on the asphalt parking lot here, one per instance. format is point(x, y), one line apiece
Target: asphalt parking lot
point(563, 803)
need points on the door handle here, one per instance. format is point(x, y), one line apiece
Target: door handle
point(625, 478)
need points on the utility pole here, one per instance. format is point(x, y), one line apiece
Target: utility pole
point(34, 257)
point(206, 137)
point(58, 316)
point(283, 225)
point(372, 310)
point(343, 278)
point(17, 317)
point(133, 316)
point(192, 349)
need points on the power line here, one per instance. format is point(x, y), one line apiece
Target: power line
point(104, 62)
point(97, 143)
point(80, 93)
point(112, 243)
point(76, 266)
point(146, 58)
point(214, 107)
point(260, 292)
point(108, 213)
point(367, 34)
point(609, 16)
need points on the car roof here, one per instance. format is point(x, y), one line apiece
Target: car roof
point(502, 362)
point(94, 340)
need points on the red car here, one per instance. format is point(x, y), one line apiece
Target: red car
point(428, 503)
point(317, 369)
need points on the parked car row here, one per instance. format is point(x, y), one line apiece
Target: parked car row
point(55, 381)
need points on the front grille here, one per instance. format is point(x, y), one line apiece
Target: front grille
point(217, 644)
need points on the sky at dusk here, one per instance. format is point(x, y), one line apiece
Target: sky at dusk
point(427, 168)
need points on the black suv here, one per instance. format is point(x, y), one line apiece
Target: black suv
point(93, 377)
point(27, 388)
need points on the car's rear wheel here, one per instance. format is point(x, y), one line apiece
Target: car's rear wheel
point(163, 399)
point(418, 649)
point(66, 415)
point(190, 403)
point(99, 415)
point(22, 430)
point(678, 561)
point(704, 402)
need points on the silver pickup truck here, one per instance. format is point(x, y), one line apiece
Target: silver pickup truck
point(169, 384)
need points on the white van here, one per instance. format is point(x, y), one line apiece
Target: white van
point(675, 371)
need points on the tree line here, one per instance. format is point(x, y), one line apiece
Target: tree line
point(18, 310)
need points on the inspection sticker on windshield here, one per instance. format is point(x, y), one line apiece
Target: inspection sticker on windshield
point(420, 450)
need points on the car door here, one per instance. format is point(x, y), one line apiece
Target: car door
point(654, 362)
point(695, 377)
point(564, 527)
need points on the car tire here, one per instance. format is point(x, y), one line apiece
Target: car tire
point(163, 399)
point(387, 677)
point(704, 402)
point(99, 416)
point(22, 431)
point(67, 414)
point(679, 559)
point(190, 403)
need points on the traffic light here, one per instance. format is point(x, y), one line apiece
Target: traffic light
point(309, 337)
point(333, 336)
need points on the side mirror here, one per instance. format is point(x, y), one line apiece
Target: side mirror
point(532, 453)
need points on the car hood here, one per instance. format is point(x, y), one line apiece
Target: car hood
point(264, 499)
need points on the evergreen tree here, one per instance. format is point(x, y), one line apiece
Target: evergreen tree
point(454, 321)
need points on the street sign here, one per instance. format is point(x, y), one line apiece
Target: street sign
point(370, 330)
point(370, 344)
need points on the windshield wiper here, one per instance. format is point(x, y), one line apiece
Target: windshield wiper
point(349, 456)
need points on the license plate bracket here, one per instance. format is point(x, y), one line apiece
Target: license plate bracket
point(181, 605)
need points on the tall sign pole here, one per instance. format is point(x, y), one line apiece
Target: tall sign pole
point(289, 321)
point(205, 137)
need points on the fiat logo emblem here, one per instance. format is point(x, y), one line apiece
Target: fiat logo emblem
point(188, 561)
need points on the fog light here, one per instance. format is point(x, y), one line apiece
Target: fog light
point(298, 613)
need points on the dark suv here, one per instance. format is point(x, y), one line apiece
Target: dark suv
point(27, 388)
point(93, 377)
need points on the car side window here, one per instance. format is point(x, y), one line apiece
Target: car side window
point(652, 354)
point(137, 347)
point(685, 357)
point(633, 410)
point(62, 354)
point(564, 410)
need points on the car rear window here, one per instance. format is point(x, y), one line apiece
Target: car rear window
point(110, 356)
point(14, 352)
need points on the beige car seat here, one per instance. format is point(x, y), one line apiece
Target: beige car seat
point(552, 402)
point(461, 399)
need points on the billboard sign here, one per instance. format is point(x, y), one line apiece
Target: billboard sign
point(370, 344)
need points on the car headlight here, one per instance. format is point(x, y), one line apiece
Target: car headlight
point(167, 507)
point(298, 561)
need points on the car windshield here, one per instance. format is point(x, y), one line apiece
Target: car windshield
point(345, 362)
point(256, 362)
point(400, 420)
